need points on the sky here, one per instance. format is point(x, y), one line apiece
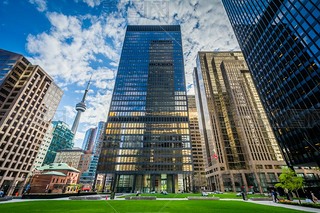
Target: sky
point(74, 39)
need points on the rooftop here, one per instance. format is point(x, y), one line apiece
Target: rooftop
point(57, 166)
point(55, 173)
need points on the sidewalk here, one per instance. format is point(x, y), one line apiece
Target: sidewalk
point(271, 203)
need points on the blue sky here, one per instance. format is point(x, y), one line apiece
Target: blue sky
point(72, 39)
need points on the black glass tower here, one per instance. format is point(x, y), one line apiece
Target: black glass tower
point(147, 143)
point(280, 41)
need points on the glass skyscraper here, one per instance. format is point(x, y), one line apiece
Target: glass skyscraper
point(62, 138)
point(147, 143)
point(280, 42)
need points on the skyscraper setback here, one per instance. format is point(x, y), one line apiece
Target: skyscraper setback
point(240, 149)
point(147, 144)
point(28, 101)
point(281, 43)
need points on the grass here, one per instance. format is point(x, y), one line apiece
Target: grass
point(185, 195)
point(131, 206)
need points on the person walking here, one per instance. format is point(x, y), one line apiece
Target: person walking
point(275, 196)
point(314, 198)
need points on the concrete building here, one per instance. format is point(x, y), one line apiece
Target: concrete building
point(62, 139)
point(199, 178)
point(84, 162)
point(44, 147)
point(28, 101)
point(71, 157)
point(240, 148)
point(55, 178)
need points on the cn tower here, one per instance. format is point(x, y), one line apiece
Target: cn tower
point(80, 107)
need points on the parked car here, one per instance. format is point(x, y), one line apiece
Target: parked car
point(239, 194)
point(218, 192)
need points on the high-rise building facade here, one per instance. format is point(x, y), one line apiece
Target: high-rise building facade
point(44, 147)
point(281, 44)
point(199, 180)
point(89, 140)
point(71, 157)
point(240, 148)
point(28, 101)
point(99, 138)
point(62, 138)
point(92, 145)
point(147, 144)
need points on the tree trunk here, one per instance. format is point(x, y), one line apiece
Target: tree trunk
point(298, 197)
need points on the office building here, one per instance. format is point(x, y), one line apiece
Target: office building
point(44, 147)
point(89, 140)
point(240, 149)
point(92, 144)
point(28, 100)
point(62, 139)
point(280, 41)
point(71, 157)
point(199, 178)
point(147, 145)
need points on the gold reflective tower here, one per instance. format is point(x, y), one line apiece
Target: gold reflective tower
point(239, 146)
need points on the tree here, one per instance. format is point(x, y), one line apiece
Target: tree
point(290, 182)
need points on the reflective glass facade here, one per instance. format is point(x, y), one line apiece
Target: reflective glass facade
point(238, 143)
point(147, 144)
point(62, 138)
point(280, 41)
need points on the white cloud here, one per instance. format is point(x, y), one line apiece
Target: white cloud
point(204, 25)
point(78, 139)
point(68, 49)
point(92, 3)
point(98, 107)
point(66, 52)
point(41, 5)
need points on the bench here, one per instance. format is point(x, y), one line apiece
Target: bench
point(141, 198)
point(203, 198)
point(5, 198)
point(84, 198)
point(261, 198)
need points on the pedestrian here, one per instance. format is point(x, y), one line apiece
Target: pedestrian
point(243, 196)
point(275, 196)
point(314, 198)
point(1, 193)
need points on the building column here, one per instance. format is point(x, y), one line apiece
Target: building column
point(153, 182)
point(245, 184)
point(258, 181)
point(232, 181)
point(173, 184)
point(134, 183)
point(114, 182)
point(104, 182)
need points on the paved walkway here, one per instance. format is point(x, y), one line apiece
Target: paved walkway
point(271, 203)
point(268, 203)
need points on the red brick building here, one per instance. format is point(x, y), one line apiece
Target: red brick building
point(55, 178)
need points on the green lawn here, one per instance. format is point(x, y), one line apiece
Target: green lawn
point(132, 206)
point(184, 195)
